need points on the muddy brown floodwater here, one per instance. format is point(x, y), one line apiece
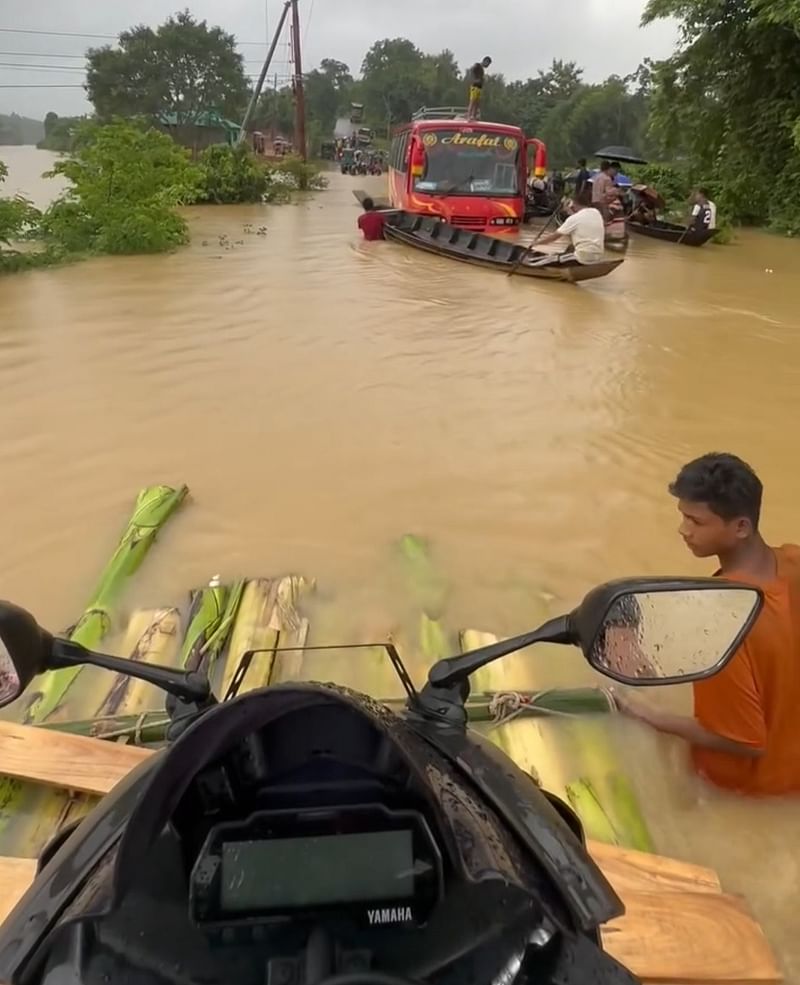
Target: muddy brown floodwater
point(321, 396)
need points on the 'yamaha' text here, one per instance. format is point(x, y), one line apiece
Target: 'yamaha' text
point(390, 914)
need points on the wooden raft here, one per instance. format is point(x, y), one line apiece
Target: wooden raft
point(679, 928)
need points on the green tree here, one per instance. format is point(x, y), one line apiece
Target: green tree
point(591, 117)
point(442, 80)
point(230, 175)
point(125, 182)
point(58, 132)
point(561, 81)
point(18, 218)
point(181, 69)
point(338, 73)
point(275, 109)
point(729, 101)
point(322, 101)
point(393, 83)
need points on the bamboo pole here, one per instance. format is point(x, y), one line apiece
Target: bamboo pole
point(154, 506)
point(571, 756)
point(30, 815)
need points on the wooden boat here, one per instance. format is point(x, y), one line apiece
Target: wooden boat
point(436, 236)
point(616, 236)
point(671, 232)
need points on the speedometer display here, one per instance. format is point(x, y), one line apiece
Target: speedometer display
point(316, 871)
point(355, 860)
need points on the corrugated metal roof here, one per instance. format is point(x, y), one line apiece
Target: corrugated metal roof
point(205, 118)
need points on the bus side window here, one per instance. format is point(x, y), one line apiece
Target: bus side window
point(403, 163)
point(506, 177)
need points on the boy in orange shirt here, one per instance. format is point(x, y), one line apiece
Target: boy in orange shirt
point(745, 733)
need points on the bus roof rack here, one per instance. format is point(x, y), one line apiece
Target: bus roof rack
point(440, 113)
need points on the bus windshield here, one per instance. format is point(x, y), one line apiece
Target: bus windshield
point(475, 162)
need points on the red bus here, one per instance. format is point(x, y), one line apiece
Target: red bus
point(471, 173)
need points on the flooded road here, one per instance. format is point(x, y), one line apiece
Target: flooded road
point(322, 396)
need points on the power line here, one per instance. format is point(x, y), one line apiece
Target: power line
point(55, 34)
point(74, 34)
point(52, 68)
point(66, 54)
point(42, 54)
point(39, 68)
point(308, 22)
point(30, 85)
point(30, 66)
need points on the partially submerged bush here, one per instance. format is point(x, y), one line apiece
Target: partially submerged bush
point(18, 220)
point(235, 174)
point(298, 174)
point(231, 175)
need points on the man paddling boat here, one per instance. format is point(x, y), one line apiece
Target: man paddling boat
point(745, 733)
point(585, 231)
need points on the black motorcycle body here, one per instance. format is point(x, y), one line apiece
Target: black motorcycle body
point(305, 833)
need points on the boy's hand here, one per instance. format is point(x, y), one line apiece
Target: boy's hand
point(637, 709)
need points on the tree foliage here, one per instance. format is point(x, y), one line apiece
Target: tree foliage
point(397, 78)
point(729, 102)
point(184, 67)
point(125, 182)
point(58, 132)
point(17, 215)
point(230, 175)
point(18, 219)
point(393, 83)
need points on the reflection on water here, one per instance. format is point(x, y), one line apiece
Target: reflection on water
point(322, 396)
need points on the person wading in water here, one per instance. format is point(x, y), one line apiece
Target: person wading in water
point(745, 732)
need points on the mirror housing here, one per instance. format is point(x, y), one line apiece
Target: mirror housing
point(27, 650)
point(24, 651)
point(656, 631)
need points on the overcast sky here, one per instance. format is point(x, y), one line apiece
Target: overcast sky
point(522, 36)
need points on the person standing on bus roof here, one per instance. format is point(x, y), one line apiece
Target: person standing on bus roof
point(476, 77)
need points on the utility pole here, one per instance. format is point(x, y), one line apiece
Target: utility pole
point(299, 92)
point(264, 69)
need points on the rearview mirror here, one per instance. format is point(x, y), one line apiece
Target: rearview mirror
point(665, 631)
point(24, 647)
point(10, 685)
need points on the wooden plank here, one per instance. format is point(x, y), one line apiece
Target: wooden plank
point(94, 766)
point(16, 874)
point(688, 938)
point(69, 762)
point(630, 871)
point(292, 629)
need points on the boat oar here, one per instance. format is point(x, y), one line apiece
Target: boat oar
point(685, 231)
point(526, 252)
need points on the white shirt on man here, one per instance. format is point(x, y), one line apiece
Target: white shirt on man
point(712, 213)
point(587, 232)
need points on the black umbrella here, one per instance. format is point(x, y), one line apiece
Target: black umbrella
point(623, 154)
